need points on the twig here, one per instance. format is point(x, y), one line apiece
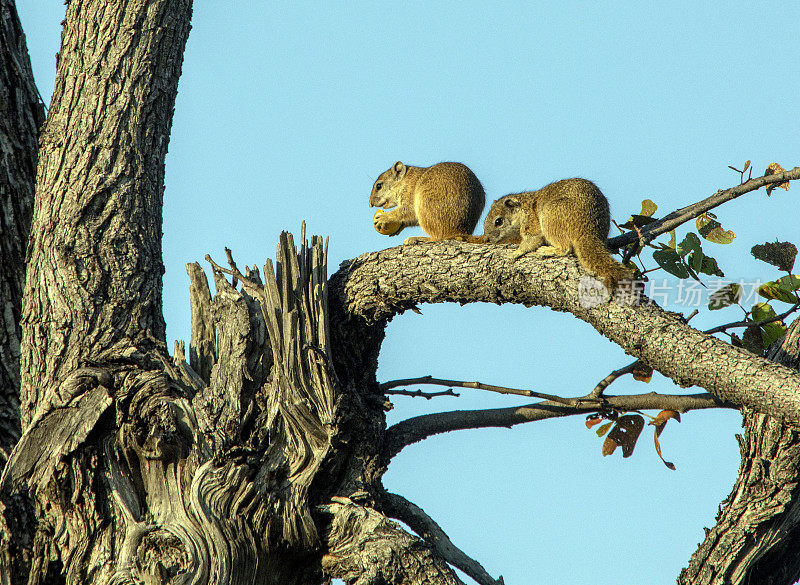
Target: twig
point(398, 507)
point(416, 429)
point(234, 273)
point(479, 386)
point(421, 394)
point(597, 392)
point(232, 264)
point(680, 216)
point(781, 317)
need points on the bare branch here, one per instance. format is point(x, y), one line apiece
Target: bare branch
point(421, 394)
point(611, 378)
point(415, 429)
point(681, 216)
point(478, 386)
point(415, 517)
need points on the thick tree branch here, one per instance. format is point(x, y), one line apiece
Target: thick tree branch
point(365, 547)
point(680, 216)
point(21, 116)
point(416, 429)
point(415, 517)
point(96, 229)
point(374, 287)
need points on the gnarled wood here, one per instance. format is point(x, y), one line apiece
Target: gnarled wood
point(202, 349)
point(366, 547)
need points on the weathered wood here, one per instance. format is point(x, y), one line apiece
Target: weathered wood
point(266, 467)
point(366, 547)
point(21, 115)
point(202, 348)
point(757, 534)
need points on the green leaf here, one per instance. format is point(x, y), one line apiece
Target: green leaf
point(762, 311)
point(752, 340)
point(772, 332)
point(693, 274)
point(691, 243)
point(720, 236)
point(648, 208)
point(709, 266)
point(779, 291)
point(725, 296)
point(695, 260)
point(711, 229)
point(790, 282)
point(670, 261)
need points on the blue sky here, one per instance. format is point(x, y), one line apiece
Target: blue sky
point(290, 113)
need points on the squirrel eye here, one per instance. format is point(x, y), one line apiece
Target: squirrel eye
point(498, 222)
point(378, 186)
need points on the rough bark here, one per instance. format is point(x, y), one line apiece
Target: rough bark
point(757, 534)
point(376, 286)
point(21, 114)
point(92, 330)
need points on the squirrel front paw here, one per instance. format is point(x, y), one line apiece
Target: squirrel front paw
point(384, 225)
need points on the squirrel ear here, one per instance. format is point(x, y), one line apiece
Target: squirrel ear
point(399, 169)
point(511, 202)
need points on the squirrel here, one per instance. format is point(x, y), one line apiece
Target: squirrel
point(571, 215)
point(445, 200)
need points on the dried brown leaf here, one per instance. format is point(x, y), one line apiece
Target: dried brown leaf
point(592, 420)
point(625, 433)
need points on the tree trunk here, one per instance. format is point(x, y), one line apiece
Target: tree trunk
point(21, 114)
point(757, 534)
point(142, 469)
point(93, 340)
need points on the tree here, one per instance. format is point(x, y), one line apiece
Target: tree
point(261, 459)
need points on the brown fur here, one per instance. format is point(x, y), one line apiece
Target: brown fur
point(445, 200)
point(570, 215)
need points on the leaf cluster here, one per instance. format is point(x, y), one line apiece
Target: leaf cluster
point(688, 259)
point(623, 430)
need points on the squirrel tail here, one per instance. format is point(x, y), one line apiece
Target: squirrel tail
point(595, 257)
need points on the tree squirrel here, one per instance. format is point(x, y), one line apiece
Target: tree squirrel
point(445, 199)
point(571, 215)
